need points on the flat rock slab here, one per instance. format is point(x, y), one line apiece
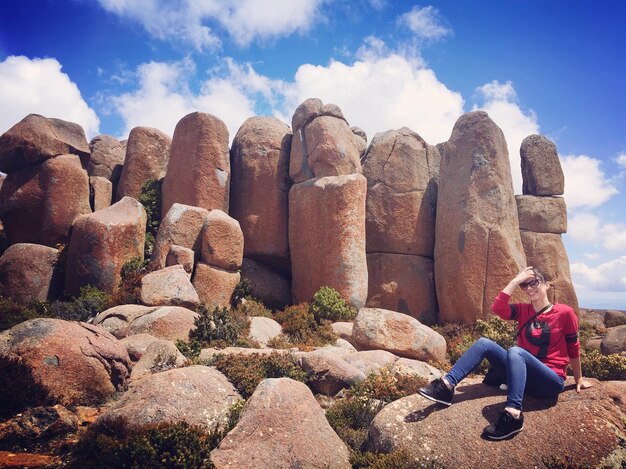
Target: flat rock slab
point(585, 426)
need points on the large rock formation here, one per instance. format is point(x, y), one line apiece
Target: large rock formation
point(541, 168)
point(198, 172)
point(323, 143)
point(477, 243)
point(282, 426)
point(260, 187)
point(401, 171)
point(543, 217)
point(267, 284)
point(147, 154)
point(101, 243)
point(38, 203)
point(594, 428)
point(36, 138)
point(76, 363)
point(327, 237)
point(100, 192)
point(30, 272)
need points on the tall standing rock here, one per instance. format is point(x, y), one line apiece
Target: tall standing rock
point(147, 154)
point(327, 237)
point(101, 243)
point(36, 138)
point(38, 203)
point(543, 217)
point(477, 243)
point(402, 172)
point(541, 169)
point(323, 143)
point(107, 158)
point(198, 172)
point(260, 188)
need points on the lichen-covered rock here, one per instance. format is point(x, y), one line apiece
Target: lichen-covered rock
point(402, 172)
point(101, 243)
point(330, 374)
point(397, 333)
point(77, 363)
point(182, 225)
point(222, 241)
point(541, 168)
point(370, 361)
point(197, 395)
point(169, 286)
point(340, 237)
point(37, 138)
point(263, 329)
point(180, 255)
point(403, 283)
point(198, 172)
point(160, 355)
point(409, 367)
point(260, 187)
point(547, 252)
point(168, 322)
point(30, 272)
point(541, 214)
point(595, 427)
point(267, 284)
point(107, 158)
point(38, 203)
point(147, 154)
point(100, 192)
point(137, 344)
point(214, 286)
point(477, 244)
point(117, 319)
point(281, 426)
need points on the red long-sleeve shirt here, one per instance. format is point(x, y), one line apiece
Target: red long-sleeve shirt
point(552, 337)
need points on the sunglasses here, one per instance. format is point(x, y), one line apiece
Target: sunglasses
point(532, 284)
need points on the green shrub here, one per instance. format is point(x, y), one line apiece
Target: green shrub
point(12, 313)
point(498, 330)
point(151, 198)
point(242, 290)
point(586, 331)
point(220, 327)
point(91, 302)
point(386, 386)
point(113, 444)
point(253, 308)
point(603, 367)
point(301, 329)
point(130, 282)
point(19, 389)
point(247, 371)
point(191, 350)
point(328, 305)
point(558, 462)
point(459, 338)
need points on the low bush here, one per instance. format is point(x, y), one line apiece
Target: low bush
point(386, 386)
point(400, 459)
point(12, 313)
point(559, 462)
point(19, 389)
point(150, 197)
point(91, 302)
point(253, 308)
point(603, 367)
point(329, 305)
point(220, 327)
point(459, 338)
point(243, 290)
point(130, 283)
point(498, 330)
point(301, 329)
point(351, 418)
point(245, 372)
point(113, 444)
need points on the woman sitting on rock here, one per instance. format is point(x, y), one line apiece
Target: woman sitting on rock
point(548, 341)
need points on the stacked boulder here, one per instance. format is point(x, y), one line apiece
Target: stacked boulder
point(402, 172)
point(326, 205)
point(104, 169)
point(259, 201)
point(198, 170)
point(477, 242)
point(543, 216)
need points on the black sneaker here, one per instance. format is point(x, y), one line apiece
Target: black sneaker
point(504, 427)
point(437, 391)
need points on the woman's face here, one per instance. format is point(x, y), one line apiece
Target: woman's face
point(536, 289)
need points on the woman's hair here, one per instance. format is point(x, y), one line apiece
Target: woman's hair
point(539, 275)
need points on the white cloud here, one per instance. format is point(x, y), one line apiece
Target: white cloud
point(425, 23)
point(592, 256)
point(586, 185)
point(614, 235)
point(621, 160)
point(609, 276)
point(199, 22)
point(584, 227)
point(39, 86)
point(381, 91)
point(500, 102)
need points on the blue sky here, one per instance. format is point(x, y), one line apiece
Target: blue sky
point(555, 68)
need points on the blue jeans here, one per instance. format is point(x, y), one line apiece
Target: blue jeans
point(523, 371)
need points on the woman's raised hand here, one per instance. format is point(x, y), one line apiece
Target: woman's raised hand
point(523, 276)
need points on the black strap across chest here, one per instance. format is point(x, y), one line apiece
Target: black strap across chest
point(532, 318)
